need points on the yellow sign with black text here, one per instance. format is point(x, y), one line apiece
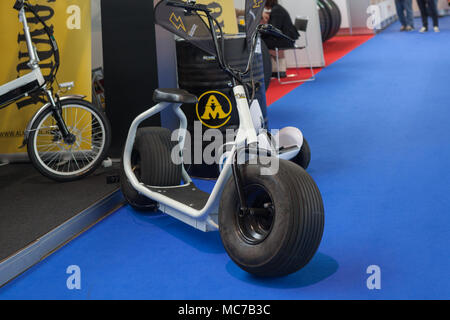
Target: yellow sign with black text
point(224, 12)
point(71, 22)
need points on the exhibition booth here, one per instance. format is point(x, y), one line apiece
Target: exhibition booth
point(163, 109)
point(130, 55)
point(114, 56)
point(51, 200)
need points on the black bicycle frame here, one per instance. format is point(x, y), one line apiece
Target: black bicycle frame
point(54, 46)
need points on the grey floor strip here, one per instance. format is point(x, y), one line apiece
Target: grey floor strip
point(38, 250)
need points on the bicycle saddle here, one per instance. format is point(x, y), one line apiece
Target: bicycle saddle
point(174, 95)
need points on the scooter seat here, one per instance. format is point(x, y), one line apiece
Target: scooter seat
point(174, 95)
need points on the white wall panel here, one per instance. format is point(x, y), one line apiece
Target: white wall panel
point(306, 8)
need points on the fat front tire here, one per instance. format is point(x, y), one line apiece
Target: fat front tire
point(152, 164)
point(283, 240)
point(61, 161)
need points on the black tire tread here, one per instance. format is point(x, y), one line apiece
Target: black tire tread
point(330, 18)
point(303, 242)
point(133, 198)
point(305, 247)
point(157, 169)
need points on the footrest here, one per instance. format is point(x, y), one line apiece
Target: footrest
point(188, 195)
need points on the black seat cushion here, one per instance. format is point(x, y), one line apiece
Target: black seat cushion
point(174, 95)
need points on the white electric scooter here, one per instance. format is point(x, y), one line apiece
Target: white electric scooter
point(268, 210)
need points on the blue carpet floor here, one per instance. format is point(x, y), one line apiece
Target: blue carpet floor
point(378, 122)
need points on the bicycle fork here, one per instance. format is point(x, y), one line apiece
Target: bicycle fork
point(68, 137)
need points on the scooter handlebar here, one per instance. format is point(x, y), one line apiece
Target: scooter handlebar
point(272, 31)
point(190, 6)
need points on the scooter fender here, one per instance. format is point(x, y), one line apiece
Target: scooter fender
point(289, 139)
point(39, 112)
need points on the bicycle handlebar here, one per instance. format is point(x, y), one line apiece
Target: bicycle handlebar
point(18, 5)
point(22, 4)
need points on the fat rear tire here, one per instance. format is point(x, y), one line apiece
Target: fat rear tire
point(152, 164)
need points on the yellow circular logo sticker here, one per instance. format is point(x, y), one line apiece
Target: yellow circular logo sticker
point(214, 109)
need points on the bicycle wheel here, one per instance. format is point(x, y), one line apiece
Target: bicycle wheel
point(62, 160)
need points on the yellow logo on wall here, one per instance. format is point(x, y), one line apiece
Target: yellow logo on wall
point(177, 22)
point(71, 22)
point(257, 3)
point(214, 109)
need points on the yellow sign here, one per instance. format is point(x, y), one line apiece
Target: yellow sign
point(224, 12)
point(257, 3)
point(71, 22)
point(214, 109)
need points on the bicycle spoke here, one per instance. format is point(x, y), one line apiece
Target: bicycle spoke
point(65, 159)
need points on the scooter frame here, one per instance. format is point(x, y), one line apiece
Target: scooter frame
point(205, 219)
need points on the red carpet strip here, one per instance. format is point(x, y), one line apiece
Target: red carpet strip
point(334, 49)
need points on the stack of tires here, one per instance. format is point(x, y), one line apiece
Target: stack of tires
point(330, 18)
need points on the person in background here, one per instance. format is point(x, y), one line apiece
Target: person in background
point(277, 16)
point(405, 14)
point(428, 8)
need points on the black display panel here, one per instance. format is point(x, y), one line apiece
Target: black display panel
point(130, 64)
